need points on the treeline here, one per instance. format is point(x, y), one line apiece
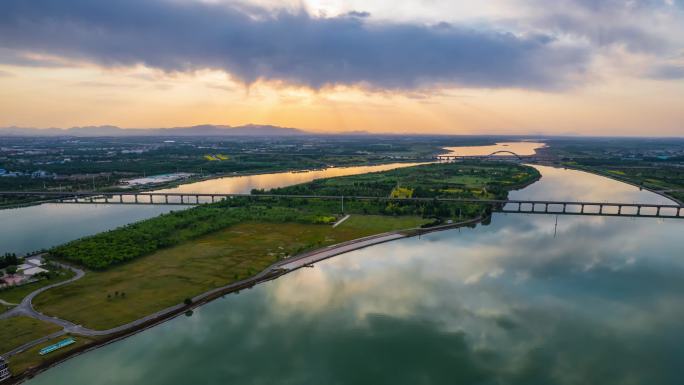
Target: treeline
point(9, 259)
point(322, 207)
point(123, 244)
point(118, 246)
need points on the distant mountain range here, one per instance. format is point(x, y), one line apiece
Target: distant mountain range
point(202, 130)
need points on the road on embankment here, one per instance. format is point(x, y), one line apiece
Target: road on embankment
point(25, 308)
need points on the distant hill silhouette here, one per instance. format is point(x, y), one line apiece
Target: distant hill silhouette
point(201, 130)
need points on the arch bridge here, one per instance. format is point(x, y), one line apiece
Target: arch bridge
point(505, 155)
point(495, 153)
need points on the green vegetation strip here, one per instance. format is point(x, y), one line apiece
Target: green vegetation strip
point(455, 180)
point(157, 263)
point(102, 300)
point(17, 331)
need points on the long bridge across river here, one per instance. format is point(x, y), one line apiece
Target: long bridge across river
point(617, 209)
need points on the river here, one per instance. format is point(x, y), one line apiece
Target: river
point(528, 299)
point(32, 228)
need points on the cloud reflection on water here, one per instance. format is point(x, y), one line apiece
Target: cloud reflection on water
point(601, 302)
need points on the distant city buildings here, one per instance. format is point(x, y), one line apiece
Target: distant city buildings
point(156, 179)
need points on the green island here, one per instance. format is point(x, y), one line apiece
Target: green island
point(145, 267)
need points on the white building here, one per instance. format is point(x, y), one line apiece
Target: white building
point(35, 262)
point(29, 270)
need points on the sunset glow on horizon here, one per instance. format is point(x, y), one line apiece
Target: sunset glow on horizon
point(505, 67)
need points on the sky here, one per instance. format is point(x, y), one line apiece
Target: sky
point(564, 67)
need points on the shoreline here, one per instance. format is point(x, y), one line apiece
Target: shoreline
point(272, 272)
point(174, 184)
point(616, 178)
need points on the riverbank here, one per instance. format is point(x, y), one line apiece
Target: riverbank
point(217, 176)
point(105, 296)
point(623, 180)
point(274, 271)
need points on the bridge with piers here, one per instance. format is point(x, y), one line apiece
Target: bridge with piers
point(617, 209)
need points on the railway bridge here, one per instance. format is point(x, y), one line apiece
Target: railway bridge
point(619, 209)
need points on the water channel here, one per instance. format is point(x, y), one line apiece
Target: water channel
point(28, 229)
point(528, 299)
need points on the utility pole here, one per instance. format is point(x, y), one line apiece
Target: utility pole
point(555, 227)
point(342, 204)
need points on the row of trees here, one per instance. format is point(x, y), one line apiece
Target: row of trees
point(9, 259)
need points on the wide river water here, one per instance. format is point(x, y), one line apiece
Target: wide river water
point(528, 299)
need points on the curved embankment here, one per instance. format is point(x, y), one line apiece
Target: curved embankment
point(662, 193)
point(272, 272)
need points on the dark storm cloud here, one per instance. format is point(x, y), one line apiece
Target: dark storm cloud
point(252, 44)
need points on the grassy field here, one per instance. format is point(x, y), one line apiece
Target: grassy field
point(16, 294)
point(30, 358)
point(380, 223)
point(17, 331)
point(191, 268)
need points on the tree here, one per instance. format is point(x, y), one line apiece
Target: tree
point(12, 269)
point(187, 301)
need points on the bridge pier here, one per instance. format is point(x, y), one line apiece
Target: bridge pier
point(565, 207)
point(151, 199)
point(582, 210)
point(619, 209)
point(600, 209)
point(197, 199)
point(638, 210)
point(166, 198)
point(136, 198)
point(546, 208)
point(658, 211)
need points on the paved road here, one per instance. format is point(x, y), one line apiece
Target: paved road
point(341, 221)
point(331, 251)
point(26, 307)
point(307, 259)
point(3, 302)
